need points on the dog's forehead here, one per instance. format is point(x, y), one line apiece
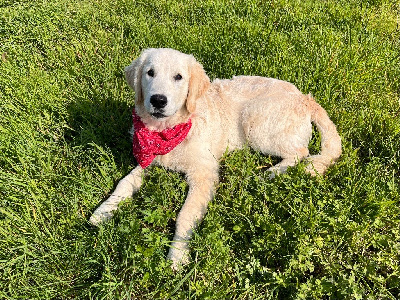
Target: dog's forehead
point(168, 60)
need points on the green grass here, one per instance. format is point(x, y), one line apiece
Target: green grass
point(65, 115)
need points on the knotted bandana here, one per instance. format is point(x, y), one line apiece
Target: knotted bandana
point(147, 144)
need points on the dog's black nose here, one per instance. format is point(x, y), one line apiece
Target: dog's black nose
point(158, 101)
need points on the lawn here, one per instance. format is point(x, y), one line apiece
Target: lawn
point(65, 113)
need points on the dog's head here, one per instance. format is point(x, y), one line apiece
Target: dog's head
point(166, 83)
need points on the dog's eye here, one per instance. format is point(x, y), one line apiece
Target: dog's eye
point(150, 73)
point(178, 77)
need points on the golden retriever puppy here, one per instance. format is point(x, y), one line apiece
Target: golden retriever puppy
point(185, 123)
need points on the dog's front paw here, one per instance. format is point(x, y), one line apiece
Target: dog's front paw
point(179, 255)
point(99, 217)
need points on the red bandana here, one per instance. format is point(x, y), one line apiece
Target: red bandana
point(147, 144)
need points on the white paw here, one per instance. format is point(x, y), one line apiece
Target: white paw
point(272, 175)
point(99, 217)
point(274, 171)
point(179, 256)
point(316, 168)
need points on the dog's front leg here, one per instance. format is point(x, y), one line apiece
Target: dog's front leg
point(125, 188)
point(201, 191)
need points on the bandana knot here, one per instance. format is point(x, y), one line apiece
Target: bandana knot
point(147, 144)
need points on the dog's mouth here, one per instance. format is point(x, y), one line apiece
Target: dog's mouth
point(158, 115)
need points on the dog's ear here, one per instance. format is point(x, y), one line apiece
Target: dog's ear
point(133, 75)
point(198, 84)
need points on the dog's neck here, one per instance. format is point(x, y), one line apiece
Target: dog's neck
point(147, 144)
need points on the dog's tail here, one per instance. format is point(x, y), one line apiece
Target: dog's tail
point(331, 145)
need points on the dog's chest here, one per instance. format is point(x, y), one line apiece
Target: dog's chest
point(201, 148)
point(181, 158)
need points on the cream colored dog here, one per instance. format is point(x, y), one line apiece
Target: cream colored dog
point(270, 115)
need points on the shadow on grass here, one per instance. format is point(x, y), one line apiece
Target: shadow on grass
point(104, 122)
point(99, 117)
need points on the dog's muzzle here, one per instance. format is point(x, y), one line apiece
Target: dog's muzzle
point(158, 101)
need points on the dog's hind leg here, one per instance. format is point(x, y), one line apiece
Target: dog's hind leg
point(276, 128)
point(287, 162)
point(125, 188)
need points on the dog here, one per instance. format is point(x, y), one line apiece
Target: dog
point(183, 122)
